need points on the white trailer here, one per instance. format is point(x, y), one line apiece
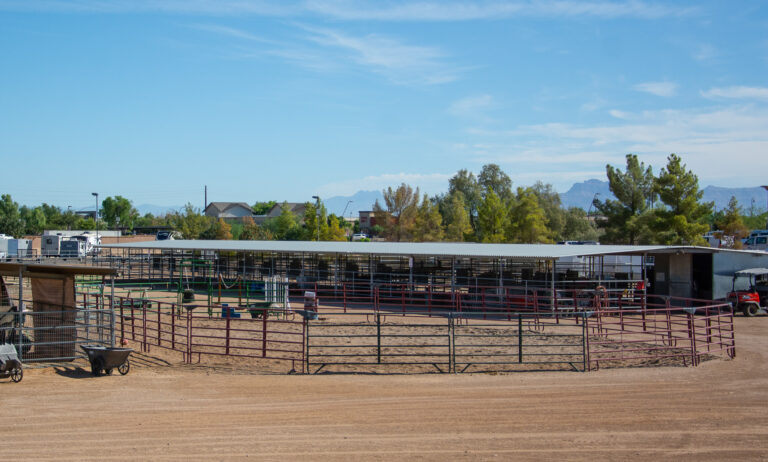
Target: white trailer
point(50, 246)
point(20, 248)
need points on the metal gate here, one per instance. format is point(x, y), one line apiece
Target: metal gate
point(341, 343)
point(520, 342)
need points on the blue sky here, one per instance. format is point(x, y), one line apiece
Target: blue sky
point(265, 100)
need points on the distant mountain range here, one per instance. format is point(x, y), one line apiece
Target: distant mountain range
point(580, 195)
point(351, 205)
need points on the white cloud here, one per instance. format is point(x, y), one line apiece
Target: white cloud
point(739, 92)
point(705, 52)
point(230, 31)
point(360, 10)
point(430, 183)
point(716, 143)
point(665, 89)
point(472, 106)
point(401, 63)
point(619, 114)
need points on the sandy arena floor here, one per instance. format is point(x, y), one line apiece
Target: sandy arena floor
point(160, 411)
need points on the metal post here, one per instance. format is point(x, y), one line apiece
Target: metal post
point(519, 338)
point(264, 332)
point(692, 336)
point(370, 273)
point(189, 336)
point(585, 342)
point(378, 338)
point(451, 345)
point(227, 331)
point(112, 311)
point(19, 314)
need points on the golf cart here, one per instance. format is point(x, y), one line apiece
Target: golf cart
point(750, 291)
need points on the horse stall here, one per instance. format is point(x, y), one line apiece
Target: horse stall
point(44, 317)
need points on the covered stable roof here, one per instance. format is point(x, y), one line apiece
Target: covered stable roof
point(30, 269)
point(427, 249)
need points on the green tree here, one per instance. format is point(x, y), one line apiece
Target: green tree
point(622, 219)
point(33, 219)
point(549, 201)
point(118, 210)
point(493, 178)
point(527, 223)
point(456, 217)
point(428, 226)
point(335, 231)
point(284, 226)
point(756, 221)
point(222, 230)
point(254, 232)
point(491, 219)
point(262, 208)
point(54, 218)
point(577, 226)
point(191, 223)
point(311, 222)
point(731, 225)
point(69, 218)
point(10, 217)
point(85, 224)
point(465, 182)
point(683, 220)
point(400, 213)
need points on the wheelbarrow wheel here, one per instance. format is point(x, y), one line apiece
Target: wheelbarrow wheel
point(17, 374)
point(97, 366)
point(108, 371)
point(124, 368)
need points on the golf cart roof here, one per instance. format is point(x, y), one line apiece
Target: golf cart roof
point(751, 272)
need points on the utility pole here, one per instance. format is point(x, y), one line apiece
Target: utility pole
point(317, 214)
point(766, 188)
point(97, 218)
point(205, 201)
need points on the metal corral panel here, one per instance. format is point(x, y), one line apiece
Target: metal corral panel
point(724, 264)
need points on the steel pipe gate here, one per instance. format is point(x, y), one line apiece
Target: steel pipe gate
point(444, 344)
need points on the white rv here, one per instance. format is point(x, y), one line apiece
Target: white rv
point(4, 245)
point(50, 246)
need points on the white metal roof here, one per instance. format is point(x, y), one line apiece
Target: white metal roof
point(464, 249)
point(752, 272)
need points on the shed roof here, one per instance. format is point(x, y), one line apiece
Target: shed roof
point(520, 251)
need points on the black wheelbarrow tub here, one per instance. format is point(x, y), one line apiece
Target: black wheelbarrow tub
point(104, 359)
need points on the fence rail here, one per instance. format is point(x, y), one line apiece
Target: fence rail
point(436, 337)
point(46, 333)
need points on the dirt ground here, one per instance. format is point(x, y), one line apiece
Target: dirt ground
point(167, 411)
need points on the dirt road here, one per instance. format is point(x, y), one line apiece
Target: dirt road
point(717, 411)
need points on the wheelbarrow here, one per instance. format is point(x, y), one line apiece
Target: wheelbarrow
point(104, 359)
point(10, 366)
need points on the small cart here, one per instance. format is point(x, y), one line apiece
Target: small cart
point(104, 359)
point(10, 366)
